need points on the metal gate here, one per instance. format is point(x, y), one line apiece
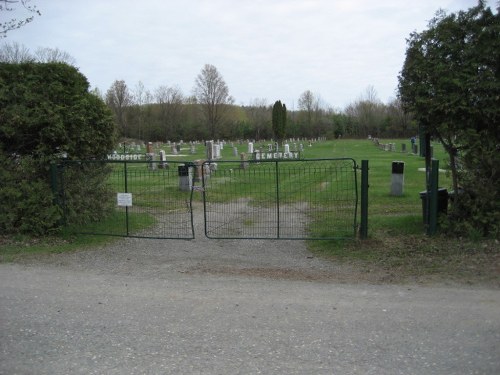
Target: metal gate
point(280, 199)
point(127, 198)
point(267, 199)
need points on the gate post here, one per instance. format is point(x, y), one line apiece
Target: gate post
point(53, 182)
point(363, 230)
point(432, 200)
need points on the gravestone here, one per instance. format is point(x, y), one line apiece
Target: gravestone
point(185, 177)
point(198, 171)
point(397, 178)
point(210, 150)
point(244, 163)
point(217, 151)
point(163, 160)
point(150, 156)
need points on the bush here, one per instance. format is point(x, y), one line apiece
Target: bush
point(46, 111)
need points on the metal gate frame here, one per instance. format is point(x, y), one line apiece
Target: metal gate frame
point(190, 177)
point(273, 209)
point(141, 190)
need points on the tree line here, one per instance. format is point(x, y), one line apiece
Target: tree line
point(166, 113)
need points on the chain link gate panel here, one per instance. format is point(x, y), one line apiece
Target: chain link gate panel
point(127, 198)
point(280, 199)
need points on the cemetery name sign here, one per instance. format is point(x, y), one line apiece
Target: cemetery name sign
point(121, 156)
point(265, 155)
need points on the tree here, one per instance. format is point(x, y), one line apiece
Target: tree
point(402, 122)
point(450, 82)
point(169, 100)
point(119, 99)
point(258, 114)
point(49, 55)
point(367, 114)
point(15, 53)
point(279, 120)
point(13, 23)
point(48, 111)
point(212, 94)
point(307, 104)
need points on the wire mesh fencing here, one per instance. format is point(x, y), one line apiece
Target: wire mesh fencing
point(266, 199)
point(135, 198)
point(280, 199)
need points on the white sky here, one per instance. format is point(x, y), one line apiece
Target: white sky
point(269, 49)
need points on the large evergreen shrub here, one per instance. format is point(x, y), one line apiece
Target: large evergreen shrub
point(450, 82)
point(47, 112)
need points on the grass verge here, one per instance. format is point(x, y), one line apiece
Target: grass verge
point(70, 238)
point(387, 257)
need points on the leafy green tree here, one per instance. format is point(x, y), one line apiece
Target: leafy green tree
point(279, 120)
point(450, 83)
point(47, 112)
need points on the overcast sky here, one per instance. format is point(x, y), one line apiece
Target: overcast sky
point(269, 49)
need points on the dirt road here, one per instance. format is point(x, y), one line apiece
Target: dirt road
point(234, 307)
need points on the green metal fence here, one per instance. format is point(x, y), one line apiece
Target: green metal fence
point(138, 198)
point(266, 199)
point(280, 199)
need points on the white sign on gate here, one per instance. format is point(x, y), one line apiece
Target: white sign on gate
point(124, 199)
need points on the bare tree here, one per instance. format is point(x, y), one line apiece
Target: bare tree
point(306, 104)
point(212, 94)
point(15, 53)
point(310, 105)
point(367, 114)
point(50, 55)
point(259, 114)
point(14, 23)
point(403, 120)
point(118, 98)
point(139, 98)
point(170, 101)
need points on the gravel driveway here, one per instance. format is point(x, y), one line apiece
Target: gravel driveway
point(234, 307)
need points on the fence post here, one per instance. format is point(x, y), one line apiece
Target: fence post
point(277, 197)
point(433, 198)
point(363, 230)
point(126, 191)
point(53, 182)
